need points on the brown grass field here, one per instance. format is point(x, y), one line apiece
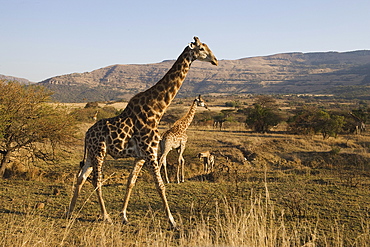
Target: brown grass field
point(269, 189)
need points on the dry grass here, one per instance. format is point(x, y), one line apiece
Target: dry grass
point(117, 105)
point(266, 190)
point(253, 222)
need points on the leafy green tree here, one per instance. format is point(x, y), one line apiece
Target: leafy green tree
point(302, 121)
point(263, 115)
point(262, 119)
point(329, 125)
point(28, 123)
point(266, 101)
point(222, 117)
point(313, 120)
point(333, 126)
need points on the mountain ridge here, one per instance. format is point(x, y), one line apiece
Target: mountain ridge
point(13, 78)
point(283, 73)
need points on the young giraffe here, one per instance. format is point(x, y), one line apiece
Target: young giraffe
point(134, 132)
point(208, 161)
point(176, 138)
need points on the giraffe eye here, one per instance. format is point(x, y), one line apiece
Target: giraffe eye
point(201, 49)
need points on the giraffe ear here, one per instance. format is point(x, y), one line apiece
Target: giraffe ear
point(191, 46)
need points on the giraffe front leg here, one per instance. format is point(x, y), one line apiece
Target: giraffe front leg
point(180, 167)
point(130, 184)
point(181, 170)
point(104, 214)
point(97, 183)
point(205, 165)
point(82, 175)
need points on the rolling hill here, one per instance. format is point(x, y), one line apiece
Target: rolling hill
point(287, 73)
point(12, 78)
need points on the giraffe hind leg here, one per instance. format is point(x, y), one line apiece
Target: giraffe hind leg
point(88, 178)
point(163, 161)
point(130, 184)
point(155, 169)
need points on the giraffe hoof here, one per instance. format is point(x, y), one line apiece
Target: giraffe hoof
point(124, 221)
point(68, 215)
point(175, 227)
point(106, 218)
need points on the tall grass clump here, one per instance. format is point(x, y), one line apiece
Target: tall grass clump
point(238, 224)
point(251, 222)
point(28, 229)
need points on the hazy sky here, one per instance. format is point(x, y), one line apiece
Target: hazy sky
point(44, 38)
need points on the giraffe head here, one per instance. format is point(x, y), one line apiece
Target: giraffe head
point(200, 102)
point(202, 52)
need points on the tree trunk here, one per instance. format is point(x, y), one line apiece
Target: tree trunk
point(4, 162)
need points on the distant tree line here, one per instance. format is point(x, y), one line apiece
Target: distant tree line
point(305, 119)
point(302, 118)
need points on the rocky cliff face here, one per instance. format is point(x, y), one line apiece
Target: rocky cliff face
point(280, 73)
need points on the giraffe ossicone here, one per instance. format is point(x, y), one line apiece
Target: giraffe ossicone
point(134, 132)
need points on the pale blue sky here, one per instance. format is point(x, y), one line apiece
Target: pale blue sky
point(44, 38)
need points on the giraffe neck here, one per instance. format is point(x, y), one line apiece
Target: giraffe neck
point(157, 98)
point(355, 117)
point(186, 120)
point(170, 84)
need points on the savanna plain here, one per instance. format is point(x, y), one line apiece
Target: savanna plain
point(266, 189)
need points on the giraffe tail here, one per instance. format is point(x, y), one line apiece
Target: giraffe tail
point(82, 163)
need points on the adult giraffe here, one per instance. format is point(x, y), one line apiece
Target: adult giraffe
point(134, 132)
